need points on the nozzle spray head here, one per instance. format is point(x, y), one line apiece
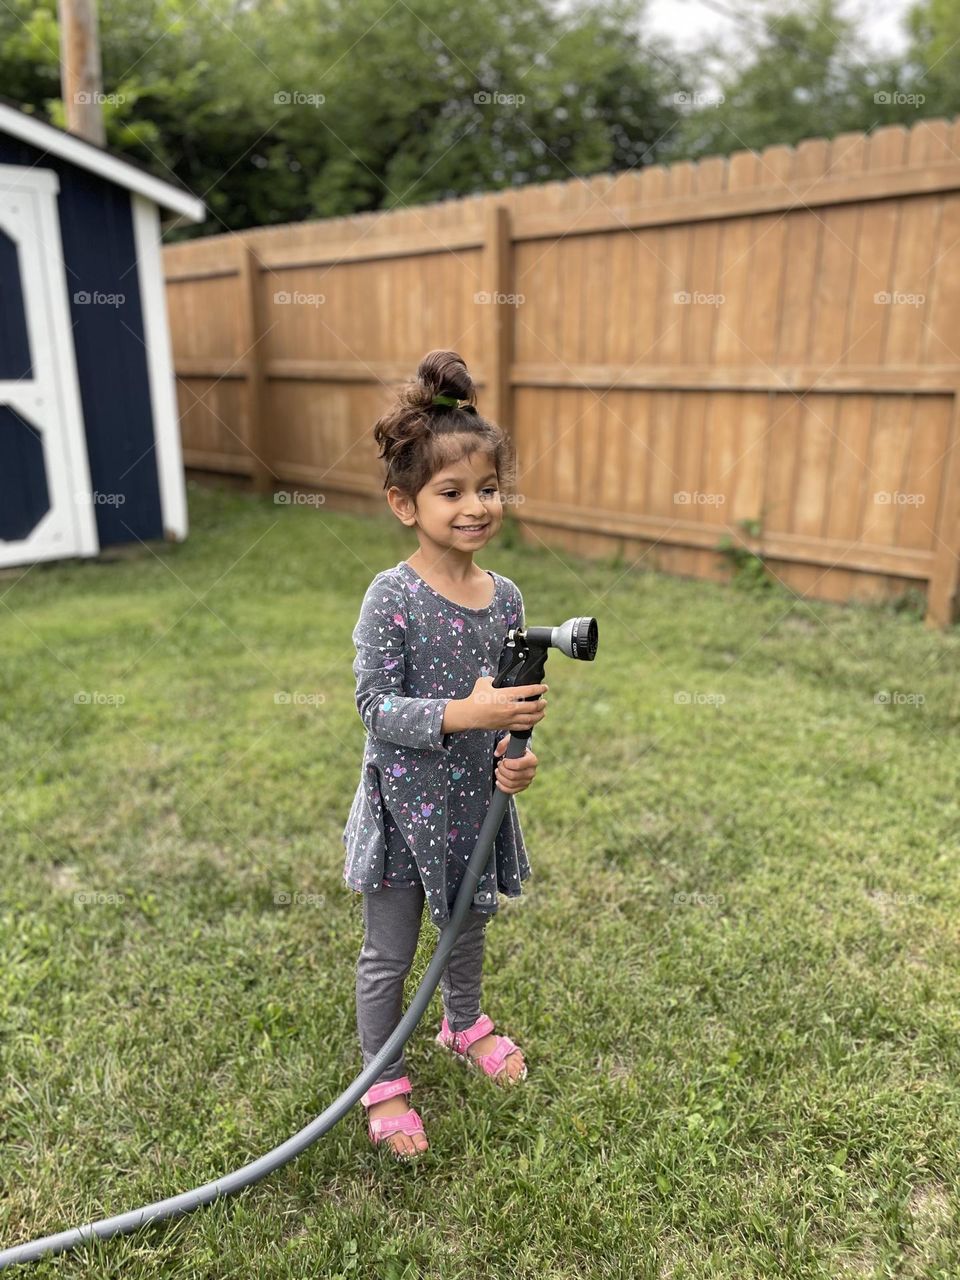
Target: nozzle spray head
point(577, 638)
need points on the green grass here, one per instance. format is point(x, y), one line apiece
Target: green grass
point(734, 970)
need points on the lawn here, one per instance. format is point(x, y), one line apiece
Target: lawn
point(734, 970)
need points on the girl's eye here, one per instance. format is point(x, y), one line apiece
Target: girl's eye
point(452, 493)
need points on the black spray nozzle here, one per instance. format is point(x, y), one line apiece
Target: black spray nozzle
point(526, 649)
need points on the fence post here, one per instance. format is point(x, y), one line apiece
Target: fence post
point(943, 590)
point(497, 279)
point(252, 331)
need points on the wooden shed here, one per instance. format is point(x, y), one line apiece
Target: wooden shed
point(90, 450)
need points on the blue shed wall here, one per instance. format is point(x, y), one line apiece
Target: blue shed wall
point(96, 225)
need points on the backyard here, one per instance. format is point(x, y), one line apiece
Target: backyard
point(734, 971)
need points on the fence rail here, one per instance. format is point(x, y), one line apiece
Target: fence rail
point(678, 352)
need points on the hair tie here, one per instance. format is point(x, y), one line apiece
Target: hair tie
point(452, 401)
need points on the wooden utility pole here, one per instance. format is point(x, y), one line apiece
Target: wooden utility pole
point(81, 75)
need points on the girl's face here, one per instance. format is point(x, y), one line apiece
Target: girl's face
point(460, 495)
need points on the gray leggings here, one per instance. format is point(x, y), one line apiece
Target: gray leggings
point(391, 922)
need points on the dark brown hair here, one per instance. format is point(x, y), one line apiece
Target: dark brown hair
point(419, 438)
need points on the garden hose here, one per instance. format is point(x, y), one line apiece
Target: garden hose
point(521, 662)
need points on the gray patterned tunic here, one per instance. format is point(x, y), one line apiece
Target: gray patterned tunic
point(423, 794)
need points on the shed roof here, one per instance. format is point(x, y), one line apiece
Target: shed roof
point(109, 164)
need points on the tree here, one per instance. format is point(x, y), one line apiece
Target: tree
point(803, 72)
point(933, 61)
point(279, 110)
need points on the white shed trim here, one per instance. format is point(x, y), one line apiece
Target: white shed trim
point(163, 398)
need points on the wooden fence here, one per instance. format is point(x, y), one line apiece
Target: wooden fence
point(771, 337)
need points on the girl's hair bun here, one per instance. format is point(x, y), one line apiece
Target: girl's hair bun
point(445, 373)
point(416, 436)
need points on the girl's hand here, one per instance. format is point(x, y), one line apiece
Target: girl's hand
point(486, 707)
point(514, 775)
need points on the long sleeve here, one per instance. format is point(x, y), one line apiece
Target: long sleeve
point(380, 641)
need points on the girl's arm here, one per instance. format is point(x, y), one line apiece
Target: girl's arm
point(387, 713)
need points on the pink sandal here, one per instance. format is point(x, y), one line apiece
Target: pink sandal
point(492, 1063)
point(383, 1126)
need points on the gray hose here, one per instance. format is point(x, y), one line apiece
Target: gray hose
point(174, 1206)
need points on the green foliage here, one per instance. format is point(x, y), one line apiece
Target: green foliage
point(277, 112)
point(801, 73)
point(933, 63)
point(29, 51)
point(911, 603)
point(749, 569)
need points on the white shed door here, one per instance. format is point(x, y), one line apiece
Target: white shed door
point(46, 505)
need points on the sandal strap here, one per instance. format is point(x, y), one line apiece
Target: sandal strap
point(462, 1040)
point(382, 1126)
point(493, 1061)
point(386, 1089)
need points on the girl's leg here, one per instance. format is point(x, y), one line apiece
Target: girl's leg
point(391, 921)
point(460, 986)
point(461, 979)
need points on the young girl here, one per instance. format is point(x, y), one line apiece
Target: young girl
point(428, 643)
